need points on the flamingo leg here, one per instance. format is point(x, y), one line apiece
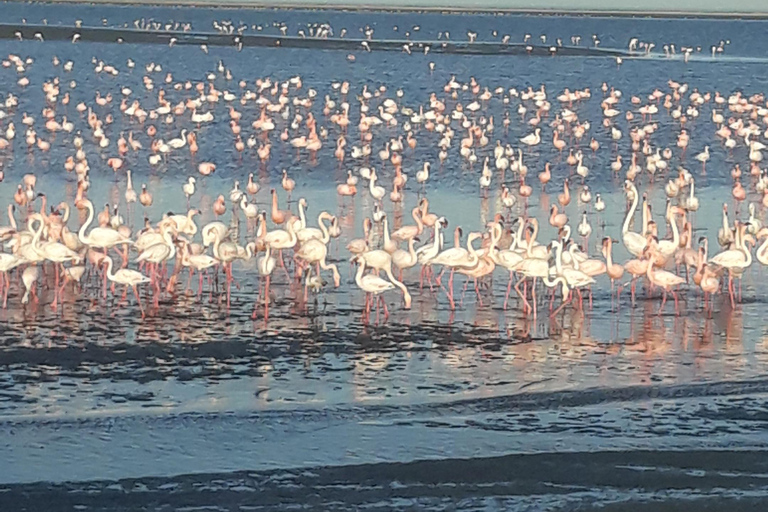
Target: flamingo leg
point(439, 277)
point(509, 289)
point(266, 299)
point(5, 291)
point(105, 285)
point(730, 291)
point(228, 269)
point(526, 306)
point(138, 300)
point(565, 302)
point(282, 264)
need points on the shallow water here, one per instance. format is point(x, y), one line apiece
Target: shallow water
point(198, 405)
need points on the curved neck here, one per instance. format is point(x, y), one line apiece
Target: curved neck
point(394, 281)
point(412, 250)
point(574, 260)
point(387, 239)
point(38, 232)
point(302, 216)
point(608, 254)
point(649, 270)
point(81, 234)
point(261, 228)
point(495, 238)
point(518, 238)
point(65, 218)
point(324, 228)
point(438, 238)
point(359, 274)
point(110, 274)
point(747, 253)
point(630, 213)
point(417, 217)
point(533, 237)
point(291, 233)
point(554, 282)
point(763, 246)
point(169, 241)
point(11, 219)
point(274, 203)
point(216, 243)
point(673, 225)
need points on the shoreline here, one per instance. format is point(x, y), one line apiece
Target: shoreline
point(450, 7)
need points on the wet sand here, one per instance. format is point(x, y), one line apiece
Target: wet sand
point(641, 481)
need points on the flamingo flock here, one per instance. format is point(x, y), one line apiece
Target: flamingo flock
point(366, 140)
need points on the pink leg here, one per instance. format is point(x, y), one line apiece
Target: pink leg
point(266, 299)
point(526, 306)
point(509, 289)
point(138, 300)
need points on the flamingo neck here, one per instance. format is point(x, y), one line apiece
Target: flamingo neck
point(412, 250)
point(81, 233)
point(110, 273)
point(608, 255)
point(763, 247)
point(558, 258)
point(438, 236)
point(533, 238)
point(11, 218)
point(291, 234)
point(675, 232)
point(574, 260)
point(631, 212)
point(518, 238)
point(359, 274)
point(417, 214)
point(216, 243)
point(326, 234)
point(302, 216)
